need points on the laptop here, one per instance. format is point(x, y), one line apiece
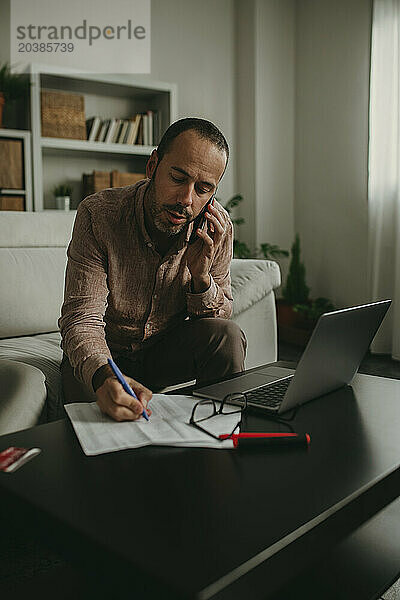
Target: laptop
point(330, 360)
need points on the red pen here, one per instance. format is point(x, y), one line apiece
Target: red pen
point(268, 439)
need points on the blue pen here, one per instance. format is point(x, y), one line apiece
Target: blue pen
point(125, 385)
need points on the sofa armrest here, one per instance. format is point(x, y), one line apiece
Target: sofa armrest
point(253, 284)
point(252, 280)
point(23, 395)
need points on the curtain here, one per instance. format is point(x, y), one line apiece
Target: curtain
point(384, 171)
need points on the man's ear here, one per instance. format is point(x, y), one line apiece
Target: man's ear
point(152, 164)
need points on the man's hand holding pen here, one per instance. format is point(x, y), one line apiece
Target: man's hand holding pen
point(117, 403)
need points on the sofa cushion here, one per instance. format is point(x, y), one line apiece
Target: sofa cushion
point(32, 294)
point(251, 281)
point(32, 261)
point(36, 229)
point(44, 353)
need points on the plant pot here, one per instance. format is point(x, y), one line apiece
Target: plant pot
point(63, 202)
point(286, 316)
point(2, 103)
point(293, 328)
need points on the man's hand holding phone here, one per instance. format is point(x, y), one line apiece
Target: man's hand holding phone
point(200, 254)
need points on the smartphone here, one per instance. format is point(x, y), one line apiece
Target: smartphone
point(200, 221)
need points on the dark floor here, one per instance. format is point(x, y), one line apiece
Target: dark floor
point(28, 569)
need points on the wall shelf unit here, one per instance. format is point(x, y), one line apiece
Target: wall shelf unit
point(85, 146)
point(24, 194)
point(64, 160)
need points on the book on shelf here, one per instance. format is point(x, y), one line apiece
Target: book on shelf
point(103, 130)
point(128, 135)
point(139, 137)
point(145, 129)
point(133, 129)
point(150, 128)
point(128, 130)
point(122, 134)
point(117, 131)
point(111, 130)
point(114, 131)
point(142, 129)
point(92, 128)
point(122, 131)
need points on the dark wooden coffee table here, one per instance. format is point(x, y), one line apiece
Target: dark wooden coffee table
point(197, 523)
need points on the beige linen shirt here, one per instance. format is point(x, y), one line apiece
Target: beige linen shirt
point(120, 293)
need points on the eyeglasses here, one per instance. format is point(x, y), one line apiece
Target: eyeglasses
point(207, 409)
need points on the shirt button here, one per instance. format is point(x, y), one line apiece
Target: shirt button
point(149, 245)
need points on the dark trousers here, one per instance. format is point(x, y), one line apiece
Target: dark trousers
point(203, 349)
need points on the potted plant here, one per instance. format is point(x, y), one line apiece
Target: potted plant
point(12, 86)
point(62, 194)
point(297, 314)
point(241, 249)
point(296, 290)
point(313, 309)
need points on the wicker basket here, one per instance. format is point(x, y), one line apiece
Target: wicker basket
point(94, 182)
point(120, 179)
point(12, 202)
point(100, 180)
point(11, 164)
point(63, 115)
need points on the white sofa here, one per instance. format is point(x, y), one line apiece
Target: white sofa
point(32, 267)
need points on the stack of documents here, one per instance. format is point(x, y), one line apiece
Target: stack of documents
point(168, 426)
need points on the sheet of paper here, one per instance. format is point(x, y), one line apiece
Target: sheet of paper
point(168, 425)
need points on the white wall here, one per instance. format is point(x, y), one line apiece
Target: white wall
point(306, 144)
point(332, 92)
point(4, 30)
point(245, 118)
point(275, 110)
point(192, 45)
point(265, 68)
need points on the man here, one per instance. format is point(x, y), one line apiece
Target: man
point(146, 289)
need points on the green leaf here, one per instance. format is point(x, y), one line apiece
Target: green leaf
point(13, 85)
point(62, 190)
point(269, 251)
point(241, 250)
point(234, 201)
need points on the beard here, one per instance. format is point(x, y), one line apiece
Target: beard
point(157, 211)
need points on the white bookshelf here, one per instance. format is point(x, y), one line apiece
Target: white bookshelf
point(25, 136)
point(93, 147)
point(63, 160)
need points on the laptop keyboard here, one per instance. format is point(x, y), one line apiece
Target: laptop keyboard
point(269, 396)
